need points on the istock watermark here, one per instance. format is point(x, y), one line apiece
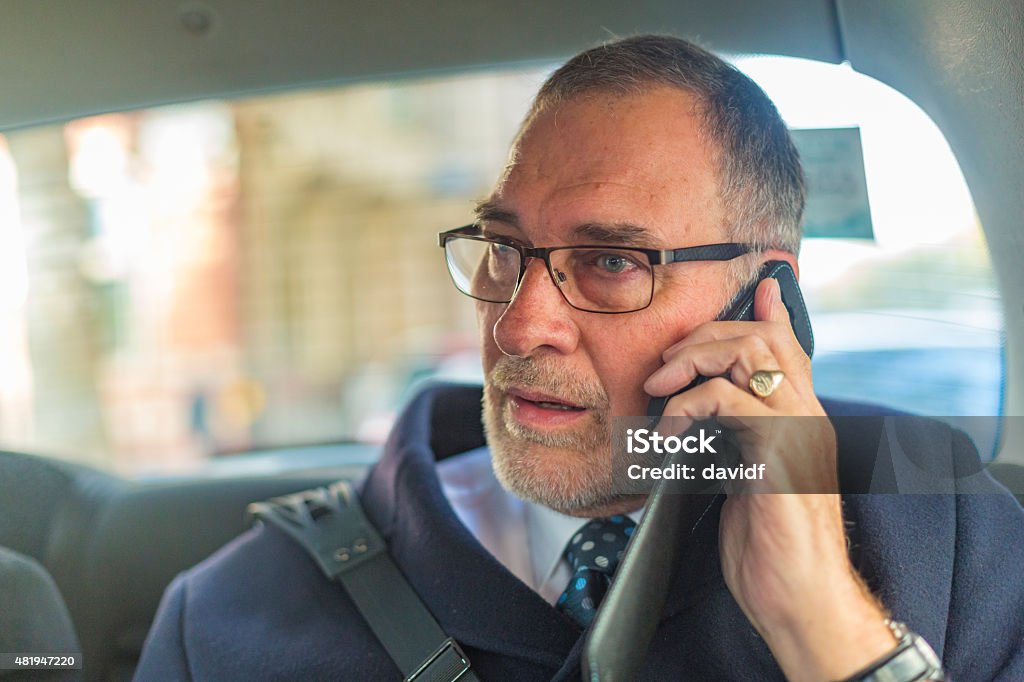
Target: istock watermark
point(700, 441)
point(895, 454)
point(643, 440)
point(694, 454)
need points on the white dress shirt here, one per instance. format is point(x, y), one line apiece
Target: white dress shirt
point(527, 538)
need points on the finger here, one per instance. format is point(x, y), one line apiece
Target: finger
point(779, 335)
point(768, 305)
point(785, 469)
point(733, 407)
point(678, 423)
point(782, 346)
point(717, 397)
point(738, 358)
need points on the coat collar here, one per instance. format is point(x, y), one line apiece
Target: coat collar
point(449, 568)
point(445, 564)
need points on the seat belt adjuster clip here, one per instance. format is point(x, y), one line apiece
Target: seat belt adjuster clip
point(447, 664)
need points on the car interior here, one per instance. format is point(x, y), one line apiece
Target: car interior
point(111, 543)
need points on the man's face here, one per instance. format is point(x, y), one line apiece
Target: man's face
point(590, 171)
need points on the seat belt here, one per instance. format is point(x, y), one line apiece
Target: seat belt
point(617, 642)
point(329, 523)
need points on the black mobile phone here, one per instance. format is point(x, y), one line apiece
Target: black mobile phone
point(742, 308)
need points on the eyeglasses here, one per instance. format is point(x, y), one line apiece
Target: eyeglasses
point(595, 279)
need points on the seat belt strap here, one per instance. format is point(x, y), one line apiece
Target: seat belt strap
point(329, 523)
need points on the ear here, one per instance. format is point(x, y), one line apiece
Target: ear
point(779, 254)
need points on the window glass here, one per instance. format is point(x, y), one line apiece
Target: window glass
point(910, 319)
point(219, 277)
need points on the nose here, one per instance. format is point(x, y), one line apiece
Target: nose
point(537, 318)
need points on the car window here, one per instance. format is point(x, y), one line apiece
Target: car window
point(911, 318)
point(224, 276)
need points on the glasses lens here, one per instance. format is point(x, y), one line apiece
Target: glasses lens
point(604, 280)
point(481, 269)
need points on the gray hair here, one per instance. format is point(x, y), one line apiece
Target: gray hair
point(761, 183)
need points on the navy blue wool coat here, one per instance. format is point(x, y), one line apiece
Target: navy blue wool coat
point(951, 566)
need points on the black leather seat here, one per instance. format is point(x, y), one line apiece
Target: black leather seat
point(1011, 476)
point(112, 545)
point(33, 616)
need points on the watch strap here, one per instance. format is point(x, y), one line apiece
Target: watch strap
point(913, 660)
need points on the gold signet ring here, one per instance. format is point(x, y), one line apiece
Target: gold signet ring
point(764, 382)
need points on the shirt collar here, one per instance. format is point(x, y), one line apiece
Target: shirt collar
point(548, 531)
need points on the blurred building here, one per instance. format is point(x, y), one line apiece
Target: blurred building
point(220, 276)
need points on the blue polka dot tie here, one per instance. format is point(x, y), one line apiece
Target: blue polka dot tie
point(593, 554)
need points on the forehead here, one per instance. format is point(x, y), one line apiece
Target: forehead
point(610, 159)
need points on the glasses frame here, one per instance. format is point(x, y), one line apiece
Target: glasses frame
point(725, 251)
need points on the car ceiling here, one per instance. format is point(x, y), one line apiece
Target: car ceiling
point(962, 61)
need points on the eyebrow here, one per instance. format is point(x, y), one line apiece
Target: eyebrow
point(488, 209)
point(620, 234)
point(623, 234)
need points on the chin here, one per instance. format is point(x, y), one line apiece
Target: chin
point(569, 472)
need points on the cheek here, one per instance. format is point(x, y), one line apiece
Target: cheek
point(624, 356)
point(629, 351)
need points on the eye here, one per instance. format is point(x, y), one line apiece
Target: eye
point(613, 262)
point(501, 251)
point(601, 263)
point(503, 260)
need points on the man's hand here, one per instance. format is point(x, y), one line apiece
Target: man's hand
point(783, 551)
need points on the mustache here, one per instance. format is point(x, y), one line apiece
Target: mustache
point(546, 377)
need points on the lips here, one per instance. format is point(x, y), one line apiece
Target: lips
point(539, 411)
point(544, 401)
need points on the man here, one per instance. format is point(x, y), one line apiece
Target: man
point(638, 147)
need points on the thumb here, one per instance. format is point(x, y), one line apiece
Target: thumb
point(768, 304)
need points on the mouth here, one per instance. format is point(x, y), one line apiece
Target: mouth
point(542, 410)
point(544, 400)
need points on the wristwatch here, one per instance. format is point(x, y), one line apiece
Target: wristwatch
point(913, 660)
